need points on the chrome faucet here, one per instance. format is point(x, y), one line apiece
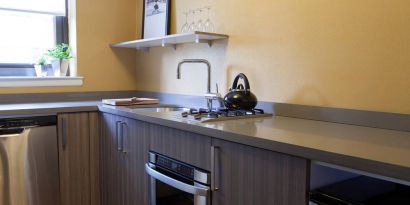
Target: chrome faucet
point(209, 96)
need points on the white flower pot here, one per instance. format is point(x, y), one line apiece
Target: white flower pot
point(60, 67)
point(39, 70)
point(55, 64)
point(64, 67)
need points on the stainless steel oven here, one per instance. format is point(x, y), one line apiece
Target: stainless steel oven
point(173, 182)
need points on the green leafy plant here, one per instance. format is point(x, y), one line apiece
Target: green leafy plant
point(42, 60)
point(60, 51)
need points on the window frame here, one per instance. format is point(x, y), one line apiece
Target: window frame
point(63, 23)
point(15, 65)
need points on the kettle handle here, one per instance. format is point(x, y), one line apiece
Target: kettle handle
point(245, 79)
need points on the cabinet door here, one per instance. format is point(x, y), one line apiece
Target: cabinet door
point(135, 155)
point(111, 165)
point(124, 151)
point(95, 133)
point(74, 158)
point(246, 175)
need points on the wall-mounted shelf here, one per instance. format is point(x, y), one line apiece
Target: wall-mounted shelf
point(171, 40)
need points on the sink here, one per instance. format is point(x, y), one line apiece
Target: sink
point(161, 109)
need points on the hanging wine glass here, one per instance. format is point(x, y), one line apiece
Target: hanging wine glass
point(200, 26)
point(209, 26)
point(185, 27)
point(192, 26)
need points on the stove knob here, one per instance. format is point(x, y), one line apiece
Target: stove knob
point(184, 114)
point(213, 115)
point(197, 116)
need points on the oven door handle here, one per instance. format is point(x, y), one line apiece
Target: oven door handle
point(200, 191)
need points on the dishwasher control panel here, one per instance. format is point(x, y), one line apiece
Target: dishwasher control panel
point(28, 122)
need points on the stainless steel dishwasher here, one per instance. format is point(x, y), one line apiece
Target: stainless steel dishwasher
point(29, 161)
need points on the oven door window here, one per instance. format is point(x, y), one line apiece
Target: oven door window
point(167, 195)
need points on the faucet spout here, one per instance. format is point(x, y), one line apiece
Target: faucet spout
point(197, 61)
point(209, 96)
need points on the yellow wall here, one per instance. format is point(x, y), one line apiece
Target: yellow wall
point(336, 53)
point(99, 23)
point(339, 53)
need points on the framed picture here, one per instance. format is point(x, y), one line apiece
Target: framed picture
point(155, 18)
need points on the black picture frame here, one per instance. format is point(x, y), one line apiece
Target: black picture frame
point(152, 28)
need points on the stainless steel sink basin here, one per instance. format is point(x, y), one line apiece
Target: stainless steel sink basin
point(161, 109)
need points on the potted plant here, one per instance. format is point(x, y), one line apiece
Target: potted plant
point(61, 55)
point(39, 67)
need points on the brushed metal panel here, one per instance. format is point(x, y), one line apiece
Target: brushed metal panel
point(29, 167)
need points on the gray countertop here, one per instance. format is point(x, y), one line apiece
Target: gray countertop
point(378, 151)
point(48, 108)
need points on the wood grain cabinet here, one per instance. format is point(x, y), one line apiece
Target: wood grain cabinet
point(246, 175)
point(241, 175)
point(78, 158)
point(185, 146)
point(124, 151)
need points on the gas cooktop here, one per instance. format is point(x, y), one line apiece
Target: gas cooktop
point(203, 115)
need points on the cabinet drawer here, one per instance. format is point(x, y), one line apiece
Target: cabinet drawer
point(185, 146)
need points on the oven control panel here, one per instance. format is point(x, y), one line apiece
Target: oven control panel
point(175, 166)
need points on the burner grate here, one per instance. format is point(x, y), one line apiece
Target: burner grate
point(200, 113)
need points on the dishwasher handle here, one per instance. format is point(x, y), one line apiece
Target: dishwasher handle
point(11, 132)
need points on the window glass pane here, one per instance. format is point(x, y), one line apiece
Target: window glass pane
point(24, 37)
point(56, 7)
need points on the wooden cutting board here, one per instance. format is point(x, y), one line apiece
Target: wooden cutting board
point(130, 101)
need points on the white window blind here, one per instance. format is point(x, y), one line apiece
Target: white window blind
point(24, 37)
point(52, 7)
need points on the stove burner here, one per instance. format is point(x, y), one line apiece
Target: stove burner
point(194, 111)
point(220, 112)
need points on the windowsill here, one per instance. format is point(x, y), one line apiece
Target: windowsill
point(11, 82)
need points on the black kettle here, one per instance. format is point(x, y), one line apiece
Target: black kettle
point(240, 97)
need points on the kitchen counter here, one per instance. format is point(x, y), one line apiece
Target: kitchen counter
point(377, 151)
point(48, 108)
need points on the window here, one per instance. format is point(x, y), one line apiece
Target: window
point(28, 28)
